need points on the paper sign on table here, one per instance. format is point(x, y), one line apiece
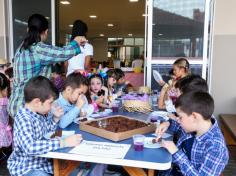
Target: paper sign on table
point(101, 149)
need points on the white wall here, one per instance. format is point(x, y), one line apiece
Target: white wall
point(2, 31)
point(223, 84)
point(100, 48)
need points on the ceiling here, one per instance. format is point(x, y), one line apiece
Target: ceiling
point(126, 17)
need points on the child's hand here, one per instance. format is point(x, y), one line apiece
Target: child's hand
point(71, 141)
point(161, 129)
point(57, 111)
point(83, 113)
point(80, 102)
point(170, 146)
point(127, 82)
point(119, 93)
point(172, 116)
point(100, 99)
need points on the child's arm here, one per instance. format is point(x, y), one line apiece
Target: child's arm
point(161, 100)
point(213, 161)
point(69, 117)
point(26, 138)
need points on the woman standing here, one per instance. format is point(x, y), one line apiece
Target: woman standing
point(34, 57)
point(80, 62)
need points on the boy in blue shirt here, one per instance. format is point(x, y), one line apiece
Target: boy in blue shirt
point(72, 98)
point(31, 124)
point(201, 149)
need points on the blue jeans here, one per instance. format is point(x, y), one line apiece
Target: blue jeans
point(37, 173)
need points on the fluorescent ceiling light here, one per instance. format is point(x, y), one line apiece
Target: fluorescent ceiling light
point(70, 25)
point(101, 35)
point(47, 17)
point(133, 0)
point(65, 2)
point(110, 25)
point(92, 16)
point(160, 34)
point(130, 35)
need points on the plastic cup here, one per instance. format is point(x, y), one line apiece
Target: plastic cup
point(138, 141)
point(115, 107)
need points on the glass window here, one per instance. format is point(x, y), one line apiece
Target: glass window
point(21, 11)
point(178, 28)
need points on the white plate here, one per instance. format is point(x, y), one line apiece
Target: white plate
point(162, 114)
point(64, 134)
point(148, 143)
point(157, 76)
point(77, 119)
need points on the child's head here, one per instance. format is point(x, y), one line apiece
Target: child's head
point(192, 108)
point(57, 69)
point(40, 92)
point(181, 67)
point(120, 76)
point(95, 83)
point(112, 78)
point(75, 85)
point(4, 85)
point(191, 83)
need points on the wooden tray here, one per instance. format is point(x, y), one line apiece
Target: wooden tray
point(116, 136)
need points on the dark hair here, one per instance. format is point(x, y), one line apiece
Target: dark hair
point(40, 87)
point(36, 25)
point(119, 73)
point(171, 72)
point(182, 63)
point(80, 28)
point(192, 83)
point(200, 102)
point(4, 82)
point(75, 80)
point(57, 68)
point(96, 76)
point(9, 72)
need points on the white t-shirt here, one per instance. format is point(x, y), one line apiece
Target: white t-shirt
point(77, 62)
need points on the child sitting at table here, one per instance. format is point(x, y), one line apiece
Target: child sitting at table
point(98, 94)
point(168, 91)
point(32, 123)
point(71, 99)
point(110, 83)
point(201, 148)
point(121, 83)
point(5, 128)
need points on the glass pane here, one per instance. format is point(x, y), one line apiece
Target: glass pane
point(178, 27)
point(21, 11)
point(139, 41)
point(129, 41)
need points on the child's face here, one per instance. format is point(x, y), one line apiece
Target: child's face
point(121, 80)
point(111, 81)
point(96, 85)
point(44, 107)
point(73, 94)
point(187, 122)
point(178, 71)
point(4, 93)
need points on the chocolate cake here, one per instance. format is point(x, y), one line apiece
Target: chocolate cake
point(118, 124)
point(56, 134)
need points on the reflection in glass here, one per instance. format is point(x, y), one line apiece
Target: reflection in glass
point(178, 28)
point(21, 11)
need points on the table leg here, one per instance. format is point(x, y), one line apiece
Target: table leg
point(133, 171)
point(150, 172)
point(56, 167)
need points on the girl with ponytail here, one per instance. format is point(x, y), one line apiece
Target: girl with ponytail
point(34, 57)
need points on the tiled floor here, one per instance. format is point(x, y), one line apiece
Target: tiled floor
point(230, 169)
